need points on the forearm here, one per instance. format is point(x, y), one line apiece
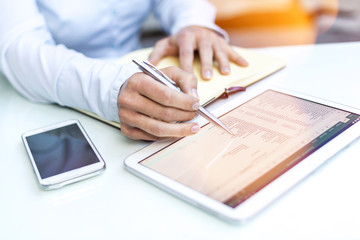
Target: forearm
point(43, 71)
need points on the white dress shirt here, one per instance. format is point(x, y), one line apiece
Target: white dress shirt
point(54, 51)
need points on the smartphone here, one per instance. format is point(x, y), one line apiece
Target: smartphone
point(61, 154)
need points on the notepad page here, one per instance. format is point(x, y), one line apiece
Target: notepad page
point(260, 66)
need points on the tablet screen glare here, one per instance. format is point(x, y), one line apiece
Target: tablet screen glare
point(273, 132)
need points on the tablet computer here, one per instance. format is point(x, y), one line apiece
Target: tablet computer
point(279, 138)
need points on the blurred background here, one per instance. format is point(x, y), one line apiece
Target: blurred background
point(262, 23)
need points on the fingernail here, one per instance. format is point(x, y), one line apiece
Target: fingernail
point(244, 62)
point(195, 128)
point(207, 74)
point(225, 70)
point(195, 93)
point(196, 106)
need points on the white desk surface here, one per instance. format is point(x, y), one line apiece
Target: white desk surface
point(119, 205)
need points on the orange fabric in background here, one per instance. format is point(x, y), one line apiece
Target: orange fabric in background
point(288, 25)
point(294, 15)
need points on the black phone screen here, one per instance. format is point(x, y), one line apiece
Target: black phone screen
point(60, 150)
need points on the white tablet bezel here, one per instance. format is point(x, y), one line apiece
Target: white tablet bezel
point(264, 196)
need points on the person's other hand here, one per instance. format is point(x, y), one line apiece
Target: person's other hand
point(149, 110)
point(207, 42)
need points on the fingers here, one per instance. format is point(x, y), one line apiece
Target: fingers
point(148, 109)
point(223, 54)
point(160, 106)
point(206, 59)
point(145, 128)
point(208, 43)
point(222, 59)
point(161, 94)
point(189, 40)
point(187, 82)
point(186, 42)
point(236, 58)
point(162, 49)
point(210, 46)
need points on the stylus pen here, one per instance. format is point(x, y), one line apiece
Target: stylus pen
point(159, 76)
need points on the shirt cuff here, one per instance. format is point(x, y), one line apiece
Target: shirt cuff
point(126, 71)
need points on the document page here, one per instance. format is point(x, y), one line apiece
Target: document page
point(273, 132)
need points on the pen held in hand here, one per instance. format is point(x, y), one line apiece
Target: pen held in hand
point(159, 76)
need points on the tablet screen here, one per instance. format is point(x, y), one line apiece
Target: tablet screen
point(273, 132)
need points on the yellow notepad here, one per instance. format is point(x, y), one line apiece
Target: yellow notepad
point(260, 66)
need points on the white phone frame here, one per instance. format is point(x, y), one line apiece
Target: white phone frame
point(75, 175)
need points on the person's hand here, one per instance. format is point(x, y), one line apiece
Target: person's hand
point(149, 110)
point(208, 43)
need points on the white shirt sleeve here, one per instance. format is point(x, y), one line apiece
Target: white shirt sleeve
point(47, 72)
point(177, 14)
